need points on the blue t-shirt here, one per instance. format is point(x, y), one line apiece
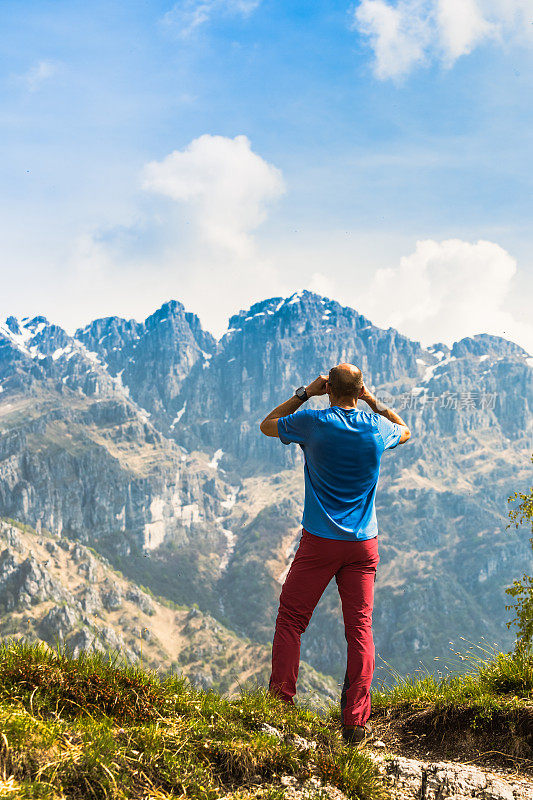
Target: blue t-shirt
point(342, 450)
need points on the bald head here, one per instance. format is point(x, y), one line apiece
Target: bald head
point(345, 381)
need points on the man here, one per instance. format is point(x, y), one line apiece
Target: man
point(342, 448)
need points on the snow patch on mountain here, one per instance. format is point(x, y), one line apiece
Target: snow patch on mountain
point(216, 459)
point(179, 415)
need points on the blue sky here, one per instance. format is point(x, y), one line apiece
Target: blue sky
point(386, 161)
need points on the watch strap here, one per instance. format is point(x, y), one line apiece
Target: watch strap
point(301, 393)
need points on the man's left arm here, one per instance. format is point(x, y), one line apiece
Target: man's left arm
point(269, 425)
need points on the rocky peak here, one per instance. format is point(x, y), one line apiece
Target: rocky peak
point(40, 320)
point(270, 349)
point(35, 351)
point(108, 334)
point(306, 307)
point(483, 344)
point(177, 328)
point(13, 324)
point(117, 340)
point(35, 337)
point(172, 310)
point(341, 329)
point(150, 359)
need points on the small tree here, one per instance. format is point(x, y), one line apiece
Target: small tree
point(522, 590)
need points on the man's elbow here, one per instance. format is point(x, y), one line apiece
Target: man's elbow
point(406, 434)
point(269, 427)
point(264, 427)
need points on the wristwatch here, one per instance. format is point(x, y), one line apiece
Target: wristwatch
point(301, 393)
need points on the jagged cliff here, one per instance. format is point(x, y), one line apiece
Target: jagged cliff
point(141, 439)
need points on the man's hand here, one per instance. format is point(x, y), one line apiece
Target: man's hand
point(365, 394)
point(317, 387)
point(388, 413)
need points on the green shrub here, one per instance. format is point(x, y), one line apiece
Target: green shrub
point(522, 590)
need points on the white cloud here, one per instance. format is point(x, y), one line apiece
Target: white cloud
point(446, 290)
point(399, 39)
point(90, 257)
point(461, 26)
point(411, 32)
point(38, 74)
point(321, 284)
point(188, 15)
point(190, 235)
point(225, 186)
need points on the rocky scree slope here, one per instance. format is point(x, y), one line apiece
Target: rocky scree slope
point(62, 593)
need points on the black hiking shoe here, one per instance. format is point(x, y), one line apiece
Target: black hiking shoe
point(357, 735)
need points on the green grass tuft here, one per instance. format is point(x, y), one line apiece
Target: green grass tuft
point(50, 682)
point(492, 678)
point(490, 705)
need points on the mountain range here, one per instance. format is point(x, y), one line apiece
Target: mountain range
point(140, 440)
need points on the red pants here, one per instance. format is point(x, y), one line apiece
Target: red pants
point(316, 561)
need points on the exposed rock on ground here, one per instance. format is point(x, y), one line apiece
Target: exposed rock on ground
point(410, 779)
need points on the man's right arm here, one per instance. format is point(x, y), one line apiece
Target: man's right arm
point(388, 413)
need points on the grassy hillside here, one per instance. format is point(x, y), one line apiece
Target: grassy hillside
point(483, 715)
point(85, 728)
